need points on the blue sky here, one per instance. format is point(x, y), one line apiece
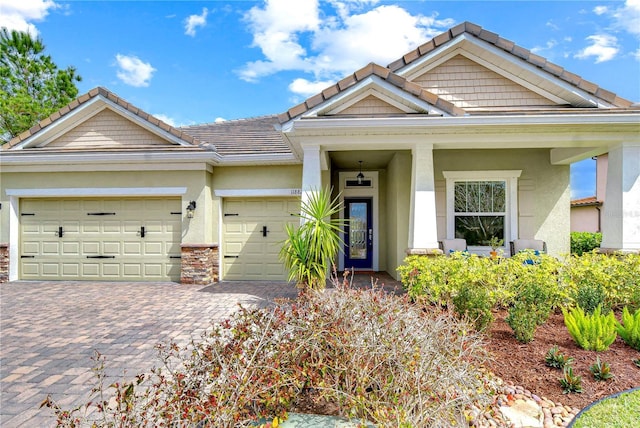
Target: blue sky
point(200, 61)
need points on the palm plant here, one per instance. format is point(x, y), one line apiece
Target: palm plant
point(311, 247)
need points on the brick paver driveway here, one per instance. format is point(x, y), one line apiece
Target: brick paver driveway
point(49, 331)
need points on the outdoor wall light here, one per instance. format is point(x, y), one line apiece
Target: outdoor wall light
point(360, 175)
point(191, 208)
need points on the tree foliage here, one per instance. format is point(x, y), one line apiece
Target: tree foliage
point(31, 85)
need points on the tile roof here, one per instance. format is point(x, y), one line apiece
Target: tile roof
point(510, 47)
point(586, 202)
point(371, 69)
point(99, 91)
point(256, 135)
point(389, 73)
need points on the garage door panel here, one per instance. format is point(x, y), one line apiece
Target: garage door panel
point(90, 227)
point(111, 226)
point(51, 248)
point(111, 270)
point(111, 248)
point(71, 248)
point(258, 255)
point(154, 248)
point(132, 270)
point(109, 229)
point(91, 248)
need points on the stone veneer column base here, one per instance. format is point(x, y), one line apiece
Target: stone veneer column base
point(199, 264)
point(4, 262)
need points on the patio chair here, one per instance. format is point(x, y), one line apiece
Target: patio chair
point(528, 244)
point(449, 246)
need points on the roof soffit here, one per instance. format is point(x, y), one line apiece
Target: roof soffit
point(507, 65)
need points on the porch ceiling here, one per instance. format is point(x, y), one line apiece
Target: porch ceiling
point(371, 159)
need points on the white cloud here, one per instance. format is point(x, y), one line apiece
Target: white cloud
point(19, 14)
point(133, 71)
point(220, 120)
point(628, 17)
point(306, 88)
point(548, 46)
point(600, 10)
point(166, 119)
point(195, 21)
point(604, 47)
point(335, 44)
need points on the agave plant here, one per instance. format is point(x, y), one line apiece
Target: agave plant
point(311, 247)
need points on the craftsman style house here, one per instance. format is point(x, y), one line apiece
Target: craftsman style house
point(469, 135)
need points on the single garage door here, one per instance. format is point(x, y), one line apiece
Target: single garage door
point(100, 239)
point(253, 233)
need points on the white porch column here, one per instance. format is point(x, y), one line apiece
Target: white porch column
point(621, 219)
point(423, 232)
point(311, 171)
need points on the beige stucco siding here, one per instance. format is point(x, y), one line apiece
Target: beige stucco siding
point(370, 105)
point(199, 229)
point(107, 129)
point(398, 200)
point(543, 190)
point(470, 85)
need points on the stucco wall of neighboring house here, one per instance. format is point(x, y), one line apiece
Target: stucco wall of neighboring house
point(543, 190)
point(584, 219)
point(199, 229)
point(398, 199)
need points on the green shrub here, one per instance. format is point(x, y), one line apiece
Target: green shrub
point(589, 296)
point(593, 332)
point(584, 242)
point(474, 304)
point(376, 356)
point(556, 359)
point(530, 310)
point(617, 276)
point(629, 329)
point(569, 381)
point(600, 370)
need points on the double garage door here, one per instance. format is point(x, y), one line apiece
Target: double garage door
point(100, 239)
point(253, 233)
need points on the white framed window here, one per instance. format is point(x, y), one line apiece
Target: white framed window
point(482, 205)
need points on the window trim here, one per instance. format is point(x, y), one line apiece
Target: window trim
point(510, 177)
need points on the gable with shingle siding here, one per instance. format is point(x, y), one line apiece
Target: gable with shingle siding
point(470, 85)
point(371, 105)
point(107, 129)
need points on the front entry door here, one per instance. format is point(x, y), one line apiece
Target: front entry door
point(358, 251)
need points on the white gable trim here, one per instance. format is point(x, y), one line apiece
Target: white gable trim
point(508, 66)
point(381, 88)
point(85, 112)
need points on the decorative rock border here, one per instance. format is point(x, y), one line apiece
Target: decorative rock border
point(518, 407)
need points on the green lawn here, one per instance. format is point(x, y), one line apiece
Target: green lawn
point(622, 411)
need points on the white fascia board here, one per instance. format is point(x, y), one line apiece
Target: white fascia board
point(260, 159)
point(468, 46)
point(96, 191)
point(380, 95)
point(9, 158)
point(390, 124)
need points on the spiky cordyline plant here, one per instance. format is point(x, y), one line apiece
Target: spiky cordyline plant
point(311, 247)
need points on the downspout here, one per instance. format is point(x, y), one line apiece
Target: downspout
point(599, 218)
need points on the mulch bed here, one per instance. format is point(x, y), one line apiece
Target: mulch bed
point(524, 364)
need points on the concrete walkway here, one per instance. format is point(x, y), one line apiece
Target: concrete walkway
point(49, 331)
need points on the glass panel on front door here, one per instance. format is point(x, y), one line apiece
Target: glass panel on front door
point(358, 230)
point(358, 234)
